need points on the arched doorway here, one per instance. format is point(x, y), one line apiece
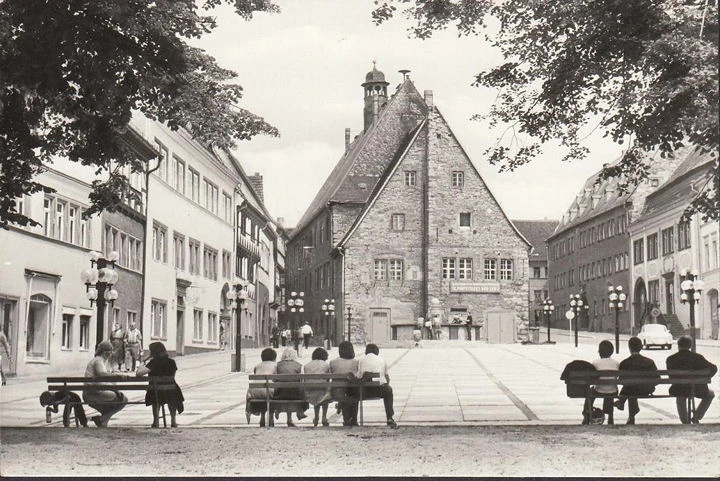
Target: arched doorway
point(712, 297)
point(639, 305)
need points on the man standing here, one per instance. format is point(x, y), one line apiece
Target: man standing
point(274, 336)
point(468, 326)
point(117, 339)
point(636, 362)
point(687, 360)
point(373, 363)
point(133, 344)
point(307, 333)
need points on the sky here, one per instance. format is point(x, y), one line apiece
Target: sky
point(301, 70)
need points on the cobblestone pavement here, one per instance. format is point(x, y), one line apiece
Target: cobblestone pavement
point(439, 383)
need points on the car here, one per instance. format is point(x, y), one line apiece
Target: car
point(655, 335)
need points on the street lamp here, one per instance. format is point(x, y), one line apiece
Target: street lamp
point(98, 286)
point(548, 309)
point(349, 318)
point(238, 296)
point(616, 296)
point(296, 303)
point(328, 308)
point(576, 307)
point(691, 288)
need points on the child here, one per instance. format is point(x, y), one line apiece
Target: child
point(160, 364)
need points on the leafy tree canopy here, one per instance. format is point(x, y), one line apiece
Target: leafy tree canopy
point(648, 69)
point(72, 72)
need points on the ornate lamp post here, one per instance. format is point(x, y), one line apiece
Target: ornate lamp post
point(691, 288)
point(295, 303)
point(616, 296)
point(98, 286)
point(238, 296)
point(576, 307)
point(548, 309)
point(328, 309)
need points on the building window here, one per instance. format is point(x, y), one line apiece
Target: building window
point(654, 292)
point(506, 269)
point(380, 269)
point(84, 341)
point(490, 269)
point(179, 251)
point(131, 318)
point(162, 160)
point(465, 267)
point(683, 235)
point(210, 263)
point(668, 237)
point(178, 180)
point(40, 318)
point(228, 208)
point(197, 324)
point(158, 319)
point(396, 269)
point(194, 257)
point(67, 324)
point(638, 251)
point(448, 268)
point(159, 243)
point(398, 222)
point(652, 247)
point(464, 219)
point(226, 256)
point(536, 273)
point(194, 178)
point(410, 178)
point(212, 327)
point(458, 178)
point(47, 217)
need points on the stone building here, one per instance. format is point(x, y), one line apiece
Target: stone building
point(589, 251)
point(537, 232)
point(663, 245)
point(405, 228)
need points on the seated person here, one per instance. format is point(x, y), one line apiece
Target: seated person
point(636, 362)
point(289, 365)
point(160, 364)
point(602, 389)
point(374, 364)
point(255, 400)
point(318, 397)
point(106, 402)
point(691, 361)
point(345, 364)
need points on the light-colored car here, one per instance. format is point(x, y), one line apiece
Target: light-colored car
point(655, 335)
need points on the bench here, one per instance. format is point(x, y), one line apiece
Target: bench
point(311, 381)
point(587, 379)
point(120, 383)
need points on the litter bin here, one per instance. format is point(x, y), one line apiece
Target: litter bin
point(535, 335)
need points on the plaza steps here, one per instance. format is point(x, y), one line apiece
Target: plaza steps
point(673, 324)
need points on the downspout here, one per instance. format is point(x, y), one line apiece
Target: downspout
point(144, 257)
point(426, 226)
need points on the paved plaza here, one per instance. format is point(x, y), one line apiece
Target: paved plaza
point(443, 383)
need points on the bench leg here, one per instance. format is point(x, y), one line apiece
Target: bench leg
point(163, 416)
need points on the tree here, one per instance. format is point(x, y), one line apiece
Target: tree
point(72, 72)
point(646, 68)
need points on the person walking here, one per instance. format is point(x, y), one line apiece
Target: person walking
point(636, 362)
point(372, 363)
point(284, 335)
point(687, 360)
point(275, 336)
point(133, 346)
point(117, 340)
point(307, 333)
point(4, 352)
point(160, 364)
point(108, 402)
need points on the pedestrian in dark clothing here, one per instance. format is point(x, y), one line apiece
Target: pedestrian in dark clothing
point(275, 336)
point(636, 362)
point(687, 360)
point(72, 402)
point(160, 364)
point(468, 326)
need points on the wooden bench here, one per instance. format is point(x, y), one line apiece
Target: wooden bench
point(118, 383)
point(331, 381)
point(587, 379)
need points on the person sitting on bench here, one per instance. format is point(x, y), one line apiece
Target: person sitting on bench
point(372, 363)
point(636, 362)
point(691, 361)
point(603, 389)
point(106, 402)
point(72, 402)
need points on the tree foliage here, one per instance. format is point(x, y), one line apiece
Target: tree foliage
point(648, 69)
point(72, 72)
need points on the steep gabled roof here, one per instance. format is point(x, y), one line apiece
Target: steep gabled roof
point(359, 170)
point(537, 232)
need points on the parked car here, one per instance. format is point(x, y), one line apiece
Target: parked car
point(655, 335)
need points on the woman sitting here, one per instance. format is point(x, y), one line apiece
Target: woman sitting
point(288, 365)
point(345, 364)
point(255, 400)
point(106, 402)
point(318, 397)
point(160, 364)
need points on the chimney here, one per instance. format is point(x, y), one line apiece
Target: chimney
point(429, 98)
point(347, 138)
point(256, 182)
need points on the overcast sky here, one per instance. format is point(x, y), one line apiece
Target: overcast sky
point(302, 69)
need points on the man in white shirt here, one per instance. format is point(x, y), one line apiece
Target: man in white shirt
point(605, 363)
point(373, 363)
point(133, 345)
point(307, 333)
